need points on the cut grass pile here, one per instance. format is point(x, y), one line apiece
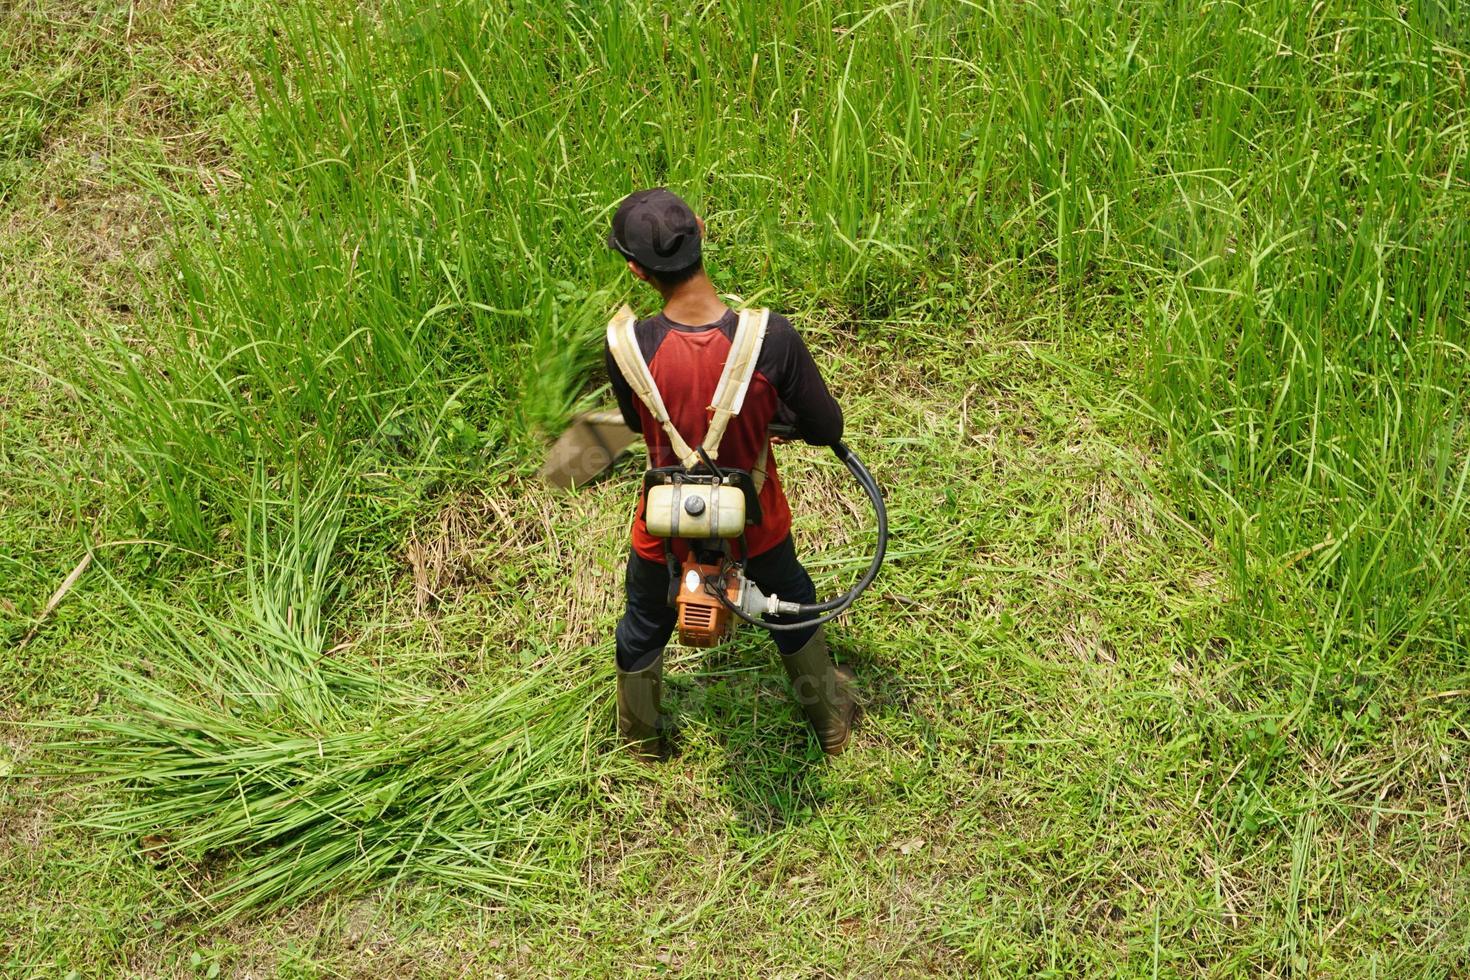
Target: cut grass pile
point(251, 734)
point(1150, 319)
point(244, 808)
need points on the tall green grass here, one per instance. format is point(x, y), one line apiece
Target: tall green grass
point(1307, 347)
point(1273, 201)
point(1268, 200)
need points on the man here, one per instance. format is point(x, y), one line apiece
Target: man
point(685, 347)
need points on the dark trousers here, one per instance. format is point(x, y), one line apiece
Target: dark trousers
point(649, 620)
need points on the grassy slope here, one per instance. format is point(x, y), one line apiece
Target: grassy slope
point(1053, 774)
point(87, 96)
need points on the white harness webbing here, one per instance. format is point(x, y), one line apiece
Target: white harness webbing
point(729, 395)
point(624, 346)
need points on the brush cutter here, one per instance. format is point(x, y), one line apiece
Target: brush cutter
point(700, 503)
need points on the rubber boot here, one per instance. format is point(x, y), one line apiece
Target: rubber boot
point(826, 692)
point(640, 697)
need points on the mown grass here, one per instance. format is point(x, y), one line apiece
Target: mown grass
point(1151, 320)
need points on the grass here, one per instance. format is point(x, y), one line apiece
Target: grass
point(1150, 320)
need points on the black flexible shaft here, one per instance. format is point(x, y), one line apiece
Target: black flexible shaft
point(832, 608)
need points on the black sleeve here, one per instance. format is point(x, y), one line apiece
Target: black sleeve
point(788, 365)
point(623, 392)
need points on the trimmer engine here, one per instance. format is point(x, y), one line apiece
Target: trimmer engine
point(709, 592)
point(704, 620)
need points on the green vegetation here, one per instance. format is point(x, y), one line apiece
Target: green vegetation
point(1150, 318)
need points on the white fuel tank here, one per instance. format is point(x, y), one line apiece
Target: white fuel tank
point(695, 510)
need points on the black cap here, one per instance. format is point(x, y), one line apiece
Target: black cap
point(656, 229)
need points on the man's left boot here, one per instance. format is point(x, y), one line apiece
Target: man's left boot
point(640, 709)
point(826, 692)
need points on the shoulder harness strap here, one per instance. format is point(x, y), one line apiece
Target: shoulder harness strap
point(740, 363)
point(729, 395)
point(623, 343)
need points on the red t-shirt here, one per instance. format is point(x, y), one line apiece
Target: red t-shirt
point(686, 363)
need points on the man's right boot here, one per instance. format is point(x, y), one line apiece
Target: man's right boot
point(640, 695)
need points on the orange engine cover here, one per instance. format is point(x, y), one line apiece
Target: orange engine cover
point(703, 619)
